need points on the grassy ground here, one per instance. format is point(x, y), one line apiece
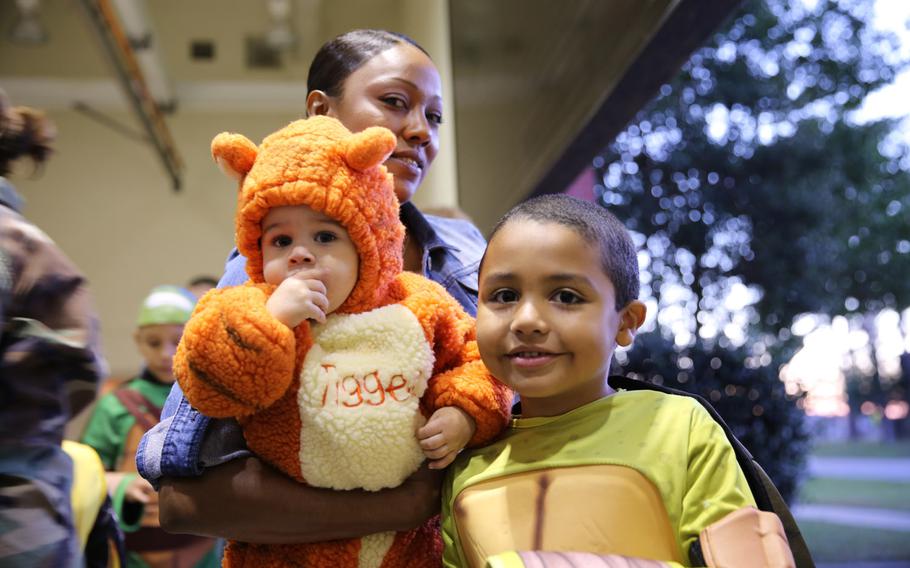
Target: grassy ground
point(850, 493)
point(864, 450)
point(842, 544)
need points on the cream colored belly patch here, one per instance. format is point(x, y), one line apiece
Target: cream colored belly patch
point(360, 390)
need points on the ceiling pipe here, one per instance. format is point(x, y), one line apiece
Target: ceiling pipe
point(119, 49)
point(136, 25)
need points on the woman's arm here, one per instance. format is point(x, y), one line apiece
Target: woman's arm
point(249, 501)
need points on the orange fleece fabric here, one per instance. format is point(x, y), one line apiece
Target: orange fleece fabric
point(307, 401)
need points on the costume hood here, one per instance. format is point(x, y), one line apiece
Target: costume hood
point(319, 163)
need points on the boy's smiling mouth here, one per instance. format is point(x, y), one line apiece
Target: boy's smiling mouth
point(531, 357)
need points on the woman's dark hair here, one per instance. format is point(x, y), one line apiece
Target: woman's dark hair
point(597, 226)
point(24, 131)
point(341, 56)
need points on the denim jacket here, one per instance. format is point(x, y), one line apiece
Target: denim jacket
point(185, 442)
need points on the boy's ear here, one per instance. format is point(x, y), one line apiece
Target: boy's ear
point(631, 318)
point(234, 154)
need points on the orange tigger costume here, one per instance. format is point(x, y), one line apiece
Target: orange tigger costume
point(336, 404)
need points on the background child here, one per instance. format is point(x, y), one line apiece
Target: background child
point(585, 469)
point(121, 418)
point(326, 355)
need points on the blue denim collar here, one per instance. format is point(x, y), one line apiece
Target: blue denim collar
point(418, 226)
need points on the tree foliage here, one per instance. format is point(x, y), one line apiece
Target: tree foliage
point(749, 172)
point(748, 168)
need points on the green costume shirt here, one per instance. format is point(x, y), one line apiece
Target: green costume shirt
point(111, 421)
point(637, 473)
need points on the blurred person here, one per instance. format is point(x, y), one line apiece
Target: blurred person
point(199, 285)
point(120, 419)
point(50, 364)
point(210, 483)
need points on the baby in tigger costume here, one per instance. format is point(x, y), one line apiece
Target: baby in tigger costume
point(336, 363)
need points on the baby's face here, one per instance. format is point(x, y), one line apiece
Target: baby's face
point(295, 238)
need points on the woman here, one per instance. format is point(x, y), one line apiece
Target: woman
point(363, 78)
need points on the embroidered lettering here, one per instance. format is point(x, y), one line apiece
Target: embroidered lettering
point(371, 388)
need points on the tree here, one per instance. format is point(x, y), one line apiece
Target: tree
point(747, 168)
point(758, 198)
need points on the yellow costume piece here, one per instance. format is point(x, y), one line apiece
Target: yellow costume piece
point(637, 474)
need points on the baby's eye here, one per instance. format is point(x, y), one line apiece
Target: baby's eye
point(325, 237)
point(282, 241)
point(567, 297)
point(504, 296)
point(435, 117)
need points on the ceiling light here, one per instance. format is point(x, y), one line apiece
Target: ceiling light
point(28, 28)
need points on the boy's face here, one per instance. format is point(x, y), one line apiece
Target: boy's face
point(547, 323)
point(295, 238)
point(157, 345)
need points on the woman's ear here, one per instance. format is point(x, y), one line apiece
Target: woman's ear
point(318, 103)
point(631, 318)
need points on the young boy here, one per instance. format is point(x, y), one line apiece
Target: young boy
point(343, 371)
point(615, 479)
point(120, 419)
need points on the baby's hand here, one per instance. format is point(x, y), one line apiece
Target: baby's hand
point(299, 297)
point(444, 435)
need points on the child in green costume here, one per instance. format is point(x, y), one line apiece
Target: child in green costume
point(585, 475)
point(124, 415)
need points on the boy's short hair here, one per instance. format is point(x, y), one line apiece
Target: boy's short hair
point(597, 226)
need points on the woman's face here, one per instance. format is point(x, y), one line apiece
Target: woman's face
point(400, 89)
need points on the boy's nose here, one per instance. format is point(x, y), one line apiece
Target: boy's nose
point(528, 319)
point(301, 255)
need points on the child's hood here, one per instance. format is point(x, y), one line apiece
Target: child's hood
point(317, 162)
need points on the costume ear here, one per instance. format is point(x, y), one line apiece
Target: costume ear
point(234, 154)
point(369, 148)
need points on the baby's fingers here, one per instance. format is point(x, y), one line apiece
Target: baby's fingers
point(444, 461)
point(432, 442)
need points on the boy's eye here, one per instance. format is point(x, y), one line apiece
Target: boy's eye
point(435, 117)
point(504, 296)
point(325, 237)
point(282, 241)
point(566, 297)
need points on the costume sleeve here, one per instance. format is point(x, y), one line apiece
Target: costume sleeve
point(234, 358)
point(459, 376)
point(716, 486)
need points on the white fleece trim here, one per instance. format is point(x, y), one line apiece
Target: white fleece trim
point(373, 548)
point(360, 389)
